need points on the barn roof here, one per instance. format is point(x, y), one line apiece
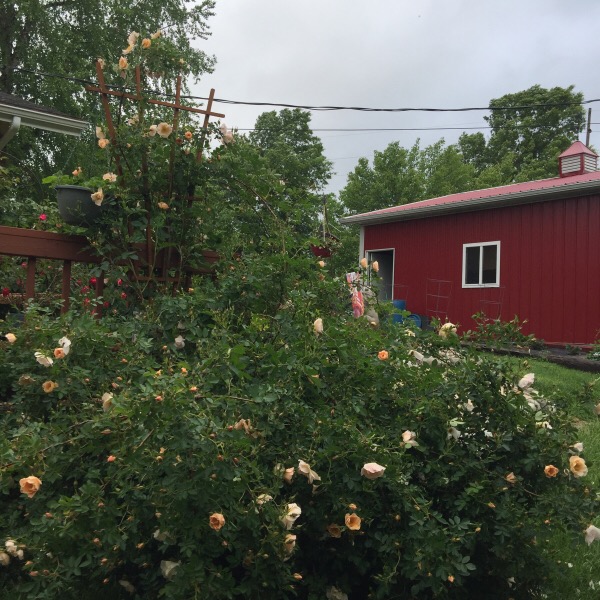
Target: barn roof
point(506, 195)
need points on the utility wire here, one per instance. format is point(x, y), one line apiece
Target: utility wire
point(311, 107)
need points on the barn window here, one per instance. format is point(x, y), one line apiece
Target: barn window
point(481, 264)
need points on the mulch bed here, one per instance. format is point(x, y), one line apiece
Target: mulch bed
point(560, 356)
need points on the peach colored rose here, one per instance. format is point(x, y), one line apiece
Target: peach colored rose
point(98, 196)
point(372, 471)
point(99, 133)
point(216, 521)
point(577, 466)
point(107, 401)
point(409, 439)
point(49, 386)
point(288, 475)
point(511, 478)
point(293, 511)
point(156, 34)
point(111, 458)
point(133, 38)
point(446, 330)
point(103, 142)
point(383, 355)
point(318, 326)
point(123, 63)
point(163, 206)
point(352, 506)
point(304, 469)
point(375, 266)
point(152, 130)
point(43, 359)
point(127, 50)
point(30, 485)
point(188, 135)
point(11, 338)
point(59, 353)
point(550, 471)
point(109, 177)
point(352, 521)
point(164, 130)
point(321, 263)
point(334, 530)
point(77, 172)
point(289, 544)
point(146, 43)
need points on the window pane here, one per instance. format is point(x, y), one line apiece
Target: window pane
point(490, 261)
point(472, 265)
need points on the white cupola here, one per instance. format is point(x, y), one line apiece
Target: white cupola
point(577, 160)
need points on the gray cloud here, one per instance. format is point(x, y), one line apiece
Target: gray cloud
point(395, 53)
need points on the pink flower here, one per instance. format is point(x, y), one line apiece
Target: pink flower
point(372, 471)
point(43, 217)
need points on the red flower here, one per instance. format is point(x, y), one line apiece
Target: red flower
point(5, 291)
point(43, 217)
point(123, 295)
point(93, 281)
point(119, 282)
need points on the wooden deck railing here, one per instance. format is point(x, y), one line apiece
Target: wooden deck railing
point(33, 244)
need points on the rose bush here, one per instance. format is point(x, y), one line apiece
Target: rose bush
point(168, 469)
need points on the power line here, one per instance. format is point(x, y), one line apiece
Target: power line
point(311, 107)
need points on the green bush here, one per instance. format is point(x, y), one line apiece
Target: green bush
point(195, 408)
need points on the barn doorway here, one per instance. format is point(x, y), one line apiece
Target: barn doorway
point(385, 258)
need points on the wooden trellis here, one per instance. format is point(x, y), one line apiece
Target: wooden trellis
point(105, 92)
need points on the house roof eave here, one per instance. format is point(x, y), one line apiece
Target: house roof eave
point(42, 120)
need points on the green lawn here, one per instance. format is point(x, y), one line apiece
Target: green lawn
point(578, 565)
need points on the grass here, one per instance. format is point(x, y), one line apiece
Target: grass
point(577, 574)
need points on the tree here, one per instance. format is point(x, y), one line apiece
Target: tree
point(292, 151)
point(63, 38)
point(529, 130)
point(400, 175)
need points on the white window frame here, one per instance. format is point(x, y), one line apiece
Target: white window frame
point(480, 245)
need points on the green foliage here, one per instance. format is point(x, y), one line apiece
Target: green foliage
point(207, 427)
point(496, 333)
point(399, 176)
point(63, 40)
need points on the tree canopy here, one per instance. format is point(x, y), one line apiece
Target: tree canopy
point(529, 129)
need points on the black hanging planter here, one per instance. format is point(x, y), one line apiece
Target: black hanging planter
point(76, 206)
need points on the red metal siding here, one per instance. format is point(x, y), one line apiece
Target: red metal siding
point(549, 264)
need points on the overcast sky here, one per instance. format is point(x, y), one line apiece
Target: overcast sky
point(395, 54)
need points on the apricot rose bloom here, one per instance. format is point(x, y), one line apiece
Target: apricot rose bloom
point(304, 469)
point(383, 355)
point(446, 330)
point(334, 530)
point(123, 63)
point(577, 466)
point(216, 521)
point(11, 338)
point(363, 263)
point(372, 471)
point(318, 326)
point(59, 353)
point(292, 514)
point(102, 143)
point(49, 386)
point(30, 485)
point(98, 196)
point(352, 521)
point(109, 177)
point(550, 471)
point(164, 130)
point(146, 43)
point(375, 266)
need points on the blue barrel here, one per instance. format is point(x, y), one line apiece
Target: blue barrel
point(398, 305)
point(415, 318)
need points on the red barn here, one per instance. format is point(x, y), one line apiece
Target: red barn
point(527, 249)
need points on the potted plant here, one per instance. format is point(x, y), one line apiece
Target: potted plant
point(80, 198)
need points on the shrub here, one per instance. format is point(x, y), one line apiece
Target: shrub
point(163, 452)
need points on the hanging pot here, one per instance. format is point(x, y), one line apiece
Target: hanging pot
point(76, 206)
